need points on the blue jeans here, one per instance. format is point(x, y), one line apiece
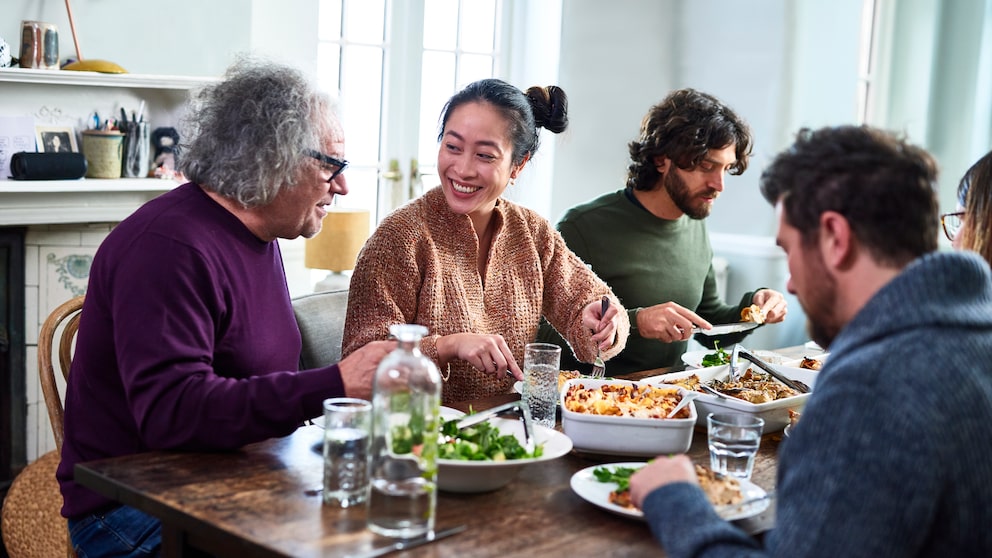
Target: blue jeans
point(120, 532)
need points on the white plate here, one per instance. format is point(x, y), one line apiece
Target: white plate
point(694, 359)
point(584, 484)
point(822, 357)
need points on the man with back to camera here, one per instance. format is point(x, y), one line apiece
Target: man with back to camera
point(893, 453)
point(649, 241)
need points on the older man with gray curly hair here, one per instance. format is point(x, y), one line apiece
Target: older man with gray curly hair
point(187, 339)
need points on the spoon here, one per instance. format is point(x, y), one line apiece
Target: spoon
point(687, 396)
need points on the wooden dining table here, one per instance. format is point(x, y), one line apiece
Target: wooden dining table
point(264, 500)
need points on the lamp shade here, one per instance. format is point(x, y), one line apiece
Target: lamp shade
point(341, 237)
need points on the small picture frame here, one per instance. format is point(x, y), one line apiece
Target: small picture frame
point(56, 139)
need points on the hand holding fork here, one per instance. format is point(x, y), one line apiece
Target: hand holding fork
point(598, 366)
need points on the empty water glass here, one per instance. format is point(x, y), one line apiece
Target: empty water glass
point(733, 440)
point(347, 425)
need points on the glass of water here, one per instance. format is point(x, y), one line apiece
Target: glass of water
point(733, 439)
point(540, 387)
point(347, 425)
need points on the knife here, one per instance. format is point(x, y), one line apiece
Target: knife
point(724, 329)
point(483, 416)
point(411, 543)
point(730, 508)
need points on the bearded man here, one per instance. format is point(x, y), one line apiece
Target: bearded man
point(892, 454)
point(649, 240)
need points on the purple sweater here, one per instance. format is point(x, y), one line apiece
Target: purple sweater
point(187, 341)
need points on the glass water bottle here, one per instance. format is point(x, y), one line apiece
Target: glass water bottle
point(406, 408)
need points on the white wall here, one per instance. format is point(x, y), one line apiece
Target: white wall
point(780, 64)
point(180, 37)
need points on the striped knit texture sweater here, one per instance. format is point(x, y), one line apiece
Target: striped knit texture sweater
point(419, 267)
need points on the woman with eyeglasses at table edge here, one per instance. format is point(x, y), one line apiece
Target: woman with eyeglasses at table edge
point(970, 227)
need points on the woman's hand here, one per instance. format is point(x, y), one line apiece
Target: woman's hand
point(488, 353)
point(603, 326)
point(668, 322)
point(659, 472)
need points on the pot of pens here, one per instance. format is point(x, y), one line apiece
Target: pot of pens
point(137, 146)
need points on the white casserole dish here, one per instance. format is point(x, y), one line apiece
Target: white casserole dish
point(617, 435)
point(774, 413)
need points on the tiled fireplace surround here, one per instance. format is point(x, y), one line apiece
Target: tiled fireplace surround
point(57, 261)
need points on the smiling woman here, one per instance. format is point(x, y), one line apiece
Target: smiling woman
point(477, 270)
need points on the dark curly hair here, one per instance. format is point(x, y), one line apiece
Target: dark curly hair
point(882, 185)
point(684, 127)
point(525, 113)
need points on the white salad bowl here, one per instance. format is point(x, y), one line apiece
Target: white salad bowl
point(456, 475)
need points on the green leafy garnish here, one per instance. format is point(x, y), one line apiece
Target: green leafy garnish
point(481, 442)
point(619, 475)
point(720, 357)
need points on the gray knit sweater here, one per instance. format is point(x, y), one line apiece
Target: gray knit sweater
point(893, 454)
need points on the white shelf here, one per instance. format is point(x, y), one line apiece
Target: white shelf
point(97, 79)
point(86, 185)
point(87, 200)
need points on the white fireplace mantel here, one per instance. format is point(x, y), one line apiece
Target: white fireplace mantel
point(86, 200)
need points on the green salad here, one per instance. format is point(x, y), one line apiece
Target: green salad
point(718, 358)
point(619, 475)
point(481, 442)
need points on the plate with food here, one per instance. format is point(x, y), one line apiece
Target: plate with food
point(718, 356)
point(814, 362)
point(606, 486)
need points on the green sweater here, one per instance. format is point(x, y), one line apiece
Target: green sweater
point(646, 260)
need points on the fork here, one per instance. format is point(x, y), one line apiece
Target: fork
point(599, 367)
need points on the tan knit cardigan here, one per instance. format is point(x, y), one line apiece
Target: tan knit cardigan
point(420, 267)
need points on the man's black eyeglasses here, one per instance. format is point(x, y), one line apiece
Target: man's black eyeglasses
point(952, 223)
point(338, 164)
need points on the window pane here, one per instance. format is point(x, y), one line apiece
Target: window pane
point(360, 103)
point(328, 67)
point(436, 86)
point(362, 184)
point(364, 20)
point(440, 24)
point(329, 20)
point(478, 25)
point(472, 67)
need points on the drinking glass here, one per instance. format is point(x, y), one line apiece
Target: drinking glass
point(540, 387)
point(347, 425)
point(733, 439)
